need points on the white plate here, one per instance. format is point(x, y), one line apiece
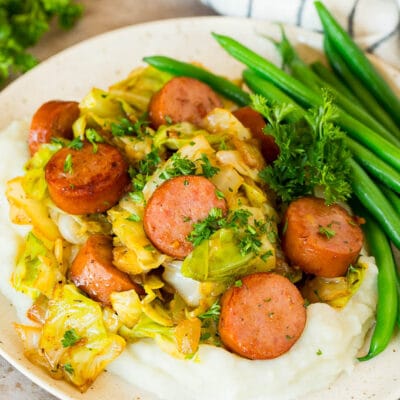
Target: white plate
point(108, 58)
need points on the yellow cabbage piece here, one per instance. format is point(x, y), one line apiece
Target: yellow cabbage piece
point(38, 269)
point(140, 85)
point(219, 259)
point(335, 291)
point(133, 252)
point(34, 182)
point(73, 343)
point(25, 210)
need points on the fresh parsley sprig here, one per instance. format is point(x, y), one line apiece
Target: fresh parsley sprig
point(312, 154)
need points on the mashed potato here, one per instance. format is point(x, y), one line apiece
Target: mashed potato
point(328, 346)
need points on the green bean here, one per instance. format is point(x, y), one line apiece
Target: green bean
point(331, 78)
point(218, 83)
point(358, 62)
point(307, 98)
point(363, 94)
point(302, 71)
point(374, 165)
point(387, 307)
point(393, 198)
point(374, 200)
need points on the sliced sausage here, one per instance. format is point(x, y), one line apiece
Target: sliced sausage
point(84, 181)
point(173, 209)
point(263, 318)
point(320, 239)
point(254, 121)
point(52, 119)
point(182, 99)
point(93, 271)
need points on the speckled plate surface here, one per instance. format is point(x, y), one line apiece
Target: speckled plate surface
point(108, 58)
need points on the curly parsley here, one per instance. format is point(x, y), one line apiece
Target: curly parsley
point(313, 152)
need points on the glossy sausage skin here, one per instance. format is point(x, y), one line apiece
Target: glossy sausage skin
point(182, 99)
point(263, 318)
point(254, 121)
point(173, 209)
point(93, 271)
point(94, 183)
point(52, 119)
point(320, 239)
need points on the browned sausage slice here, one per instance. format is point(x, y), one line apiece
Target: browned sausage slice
point(93, 271)
point(52, 119)
point(173, 209)
point(182, 99)
point(83, 181)
point(320, 239)
point(263, 318)
point(254, 121)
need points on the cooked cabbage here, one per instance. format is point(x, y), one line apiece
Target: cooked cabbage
point(73, 343)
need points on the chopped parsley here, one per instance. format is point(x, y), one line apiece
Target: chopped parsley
point(212, 313)
point(180, 166)
point(204, 229)
point(93, 137)
point(238, 283)
point(319, 352)
point(68, 164)
point(249, 235)
point(219, 194)
point(327, 231)
point(126, 127)
point(208, 169)
point(70, 338)
point(76, 143)
point(68, 368)
point(133, 218)
point(141, 173)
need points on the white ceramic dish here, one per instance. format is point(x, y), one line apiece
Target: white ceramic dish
point(108, 58)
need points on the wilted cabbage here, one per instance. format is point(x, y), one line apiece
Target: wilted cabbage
point(73, 343)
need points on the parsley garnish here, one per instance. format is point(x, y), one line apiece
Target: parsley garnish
point(133, 218)
point(312, 152)
point(70, 338)
point(68, 164)
point(204, 229)
point(212, 313)
point(76, 144)
point(126, 127)
point(208, 169)
point(327, 231)
point(248, 235)
point(141, 173)
point(180, 166)
point(68, 368)
point(93, 137)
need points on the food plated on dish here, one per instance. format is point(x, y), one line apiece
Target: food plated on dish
point(165, 251)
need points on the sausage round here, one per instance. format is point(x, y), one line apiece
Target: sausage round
point(94, 272)
point(52, 119)
point(173, 209)
point(94, 181)
point(263, 318)
point(254, 121)
point(322, 240)
point(182, 99)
